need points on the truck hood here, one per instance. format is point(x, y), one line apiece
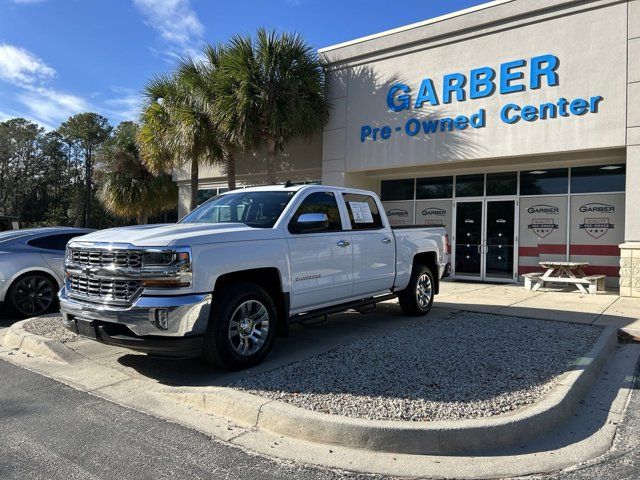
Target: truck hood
point(174, 234)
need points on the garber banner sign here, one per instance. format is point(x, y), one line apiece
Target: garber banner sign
point(510, 77)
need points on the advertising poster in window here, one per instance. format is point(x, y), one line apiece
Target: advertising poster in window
point(435, 213)
point(399, 213)
point(543, 231)
point(597, 228)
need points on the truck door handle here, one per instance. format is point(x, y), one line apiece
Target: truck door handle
point(386, 240)
point(343, 243)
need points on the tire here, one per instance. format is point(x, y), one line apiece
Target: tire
point(32, 294)
point(417, 302)
point(230, 341)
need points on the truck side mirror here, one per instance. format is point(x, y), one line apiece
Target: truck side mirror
point(308, 222)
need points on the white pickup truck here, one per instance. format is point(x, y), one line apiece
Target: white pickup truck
point(242, 267)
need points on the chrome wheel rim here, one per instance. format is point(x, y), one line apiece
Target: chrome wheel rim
point(33, 295)
point(249, 328)
point(424, 291)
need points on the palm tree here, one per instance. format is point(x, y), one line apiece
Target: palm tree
point(200, 79)
point(269, 90)
point(128, 188)
point(176, 130)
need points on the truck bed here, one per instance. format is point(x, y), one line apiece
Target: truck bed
point(405, 227)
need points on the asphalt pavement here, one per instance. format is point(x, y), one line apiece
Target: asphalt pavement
point(622, 461)
point(51, 431)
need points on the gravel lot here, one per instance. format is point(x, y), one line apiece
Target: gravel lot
point(466, 365)
point(50, 326)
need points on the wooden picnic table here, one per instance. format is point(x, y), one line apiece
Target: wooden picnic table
point(565, 272)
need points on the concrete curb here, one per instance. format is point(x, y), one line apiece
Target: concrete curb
point(17, 337)
point(445, 437)
point(629, 335)
point(433, 438)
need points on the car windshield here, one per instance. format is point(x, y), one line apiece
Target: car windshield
point(255, 209)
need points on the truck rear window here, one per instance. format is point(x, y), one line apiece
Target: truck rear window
point(363, 212)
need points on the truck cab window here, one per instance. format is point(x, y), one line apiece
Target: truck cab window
point(363, 212)
point(319, 202)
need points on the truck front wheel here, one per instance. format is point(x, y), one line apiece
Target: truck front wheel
point(241, 329)
point(417, 298)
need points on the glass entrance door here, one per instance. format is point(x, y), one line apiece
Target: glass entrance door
point(485, 240)
point(468, 240)
point(499, 245)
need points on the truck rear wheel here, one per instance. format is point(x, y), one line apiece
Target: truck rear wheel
point(242, 326)
point(417, 298)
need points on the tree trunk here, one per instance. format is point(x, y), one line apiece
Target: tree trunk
point(230, 162)
point(87, 188)
point(142, 219)
point(272, 151)
point(194, 184)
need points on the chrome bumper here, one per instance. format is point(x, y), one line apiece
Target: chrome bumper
point(187, 315)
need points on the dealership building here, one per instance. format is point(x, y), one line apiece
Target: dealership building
point(514, 124)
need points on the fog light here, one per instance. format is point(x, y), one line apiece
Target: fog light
point(161, 318)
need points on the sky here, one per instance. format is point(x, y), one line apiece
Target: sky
point(62, 57)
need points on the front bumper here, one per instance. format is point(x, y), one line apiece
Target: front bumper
point(134, 326)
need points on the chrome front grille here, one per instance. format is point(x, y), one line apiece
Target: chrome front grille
point(120, 258)
point(103, 289)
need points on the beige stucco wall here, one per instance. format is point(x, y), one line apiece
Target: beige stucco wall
point(632, 231)
point(301, 155)
point(630, 250)
point(590, 44)
point(300, 161)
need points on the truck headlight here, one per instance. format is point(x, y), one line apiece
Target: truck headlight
point(162, 258)
point(166, 267)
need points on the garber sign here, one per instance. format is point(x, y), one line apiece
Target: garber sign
point(482, 82)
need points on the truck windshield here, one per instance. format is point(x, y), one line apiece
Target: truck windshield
point(255, 209)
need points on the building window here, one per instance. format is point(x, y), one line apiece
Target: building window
point(504, 183)
point(601, 178)
point(397, 190)
point(367, 218)
point(434, 188)
point(551, 181)
point(470, 185)
point(206, 194)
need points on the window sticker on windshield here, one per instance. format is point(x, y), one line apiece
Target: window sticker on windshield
point(361, 212)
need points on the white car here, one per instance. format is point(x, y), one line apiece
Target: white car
point(32, 268)
point(243, 266)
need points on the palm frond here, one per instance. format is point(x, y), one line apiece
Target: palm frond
point(129, 189)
